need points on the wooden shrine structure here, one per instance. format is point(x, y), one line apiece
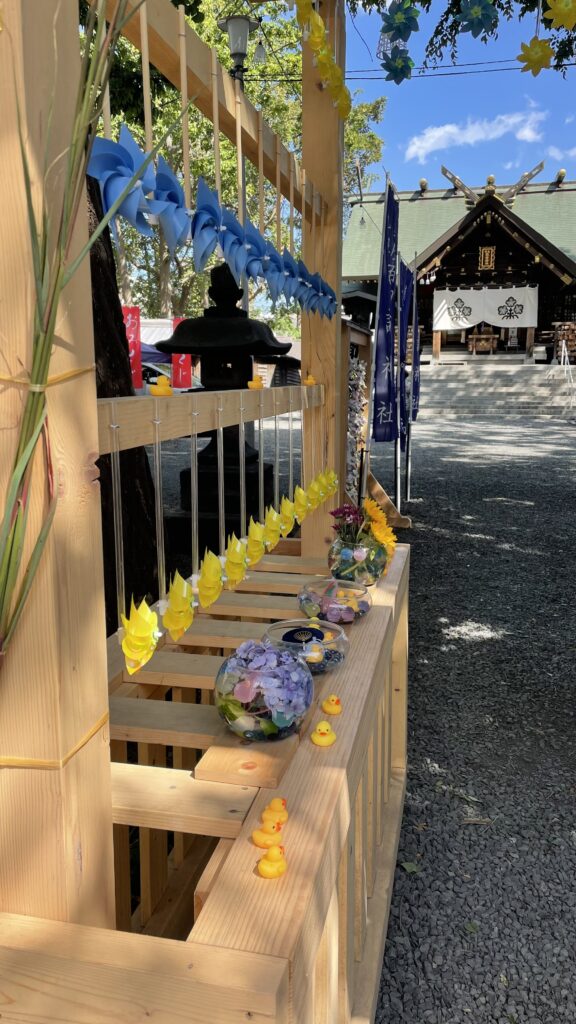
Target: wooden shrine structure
point(94, 762)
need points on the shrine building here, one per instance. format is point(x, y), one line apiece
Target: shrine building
point(496, 264)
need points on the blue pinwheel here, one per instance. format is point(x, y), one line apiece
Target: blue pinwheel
point(291, 276)
point(398, 65)
point(233, 242)
point(274, 272)
point(316, 300)
point(114, 164)
point(256, 250)
point(206, 225)
point(305, 295)
point(400, 21)
point(477, 16)
point(170, 206)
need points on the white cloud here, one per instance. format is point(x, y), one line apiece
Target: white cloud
point(511, 165)
point(569, 119)
point(524, 126)
point(558, 154)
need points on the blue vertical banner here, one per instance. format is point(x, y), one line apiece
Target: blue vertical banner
point(415, 363)
point(385, 427)
point(406, 285)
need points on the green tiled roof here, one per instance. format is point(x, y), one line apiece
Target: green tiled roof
point(547, 208)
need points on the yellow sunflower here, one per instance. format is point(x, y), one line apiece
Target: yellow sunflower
point(374, 511)
point(385, 536)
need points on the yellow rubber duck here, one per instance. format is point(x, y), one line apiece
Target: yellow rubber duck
point(268, 835)
point(162, 386)
point(276, 811)
point(309, 381)
point(332, 705)
point(256, 384)
point(314, 653)
point(323, 736)
point(273, 863)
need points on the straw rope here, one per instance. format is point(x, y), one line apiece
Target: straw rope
point(22, 382)
point(55, 764)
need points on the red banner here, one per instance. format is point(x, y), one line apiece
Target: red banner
point(131, 316)
point(181, 364)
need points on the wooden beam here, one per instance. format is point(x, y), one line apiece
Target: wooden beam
point(57, 855)
point(309, 566)
point(134, 416)
point(254, 606)
point(230, 760)
point(165, 722)
point(175, 668)
point(164, 48)
point(173, 800)
point(213, 633)
point(324, 432)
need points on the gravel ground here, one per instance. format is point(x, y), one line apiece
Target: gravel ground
point(483, 919)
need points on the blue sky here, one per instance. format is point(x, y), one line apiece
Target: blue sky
point(501, 124)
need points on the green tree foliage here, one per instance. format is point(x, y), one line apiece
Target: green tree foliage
point(444, 38)
point(162, 285)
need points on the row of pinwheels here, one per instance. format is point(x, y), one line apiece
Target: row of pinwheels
point(141, 632)
point(479, 17)
point(247, 253)
point(331, 74)
point(157, 196)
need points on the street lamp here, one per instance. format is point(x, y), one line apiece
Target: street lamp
point(239, 28)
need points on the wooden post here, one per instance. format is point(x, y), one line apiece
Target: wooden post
point(436, 344)
point(530, 331)
point(56, 823)
point(322, 155)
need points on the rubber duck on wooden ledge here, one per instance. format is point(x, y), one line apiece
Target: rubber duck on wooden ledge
point(323, 735)
point(275, 811)
point(268, 835)
point(332, 705)
point(273, 863)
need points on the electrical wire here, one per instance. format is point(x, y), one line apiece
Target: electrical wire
point(416, 78)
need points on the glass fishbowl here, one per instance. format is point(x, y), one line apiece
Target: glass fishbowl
point(322, 646)
point(332, 600)
point(361, 562)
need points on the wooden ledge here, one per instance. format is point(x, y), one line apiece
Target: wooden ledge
point(166, 722)
point(293, 563)
point(205, 632)
point(254, 606)
point(171, 667)
point(172, 800)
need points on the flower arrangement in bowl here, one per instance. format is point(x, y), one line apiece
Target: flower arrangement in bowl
point(334, 600)
point(363, 544)
point(322, 647)
point(263, 692)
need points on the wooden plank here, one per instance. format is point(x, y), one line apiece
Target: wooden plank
point(57, 854)
point(184, 758)
point(367, 984)
point(165, 722)
point(326, 969)
point(293, 564)
point(319, 785)
point(210, 874)
point(371, 797)
point(95, 976)
point(206, 632)
point(135, 415)
point(346, 961)
point(174, 915)
point(168, 799)
point(266, 582)
point(165, 55)
point(232, 761)
point(153, 845)
point(122, 880)
point(171, 667)
point(400, 688)
point(360, 890)
point(254, 606)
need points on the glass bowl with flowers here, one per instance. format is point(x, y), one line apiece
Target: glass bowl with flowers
point(363, 545)
point(263, 692)
point(321, 645)
point(334, 600)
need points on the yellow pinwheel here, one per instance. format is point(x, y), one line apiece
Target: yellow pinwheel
point(286, 516)
point(255, 547)
point(535, 55)
point(316, 32)
point(314, 494)
point(332, 481)
point(209, 580)
point(179, 614)
point(562, 13)
point(271, 528)
point(235, 564)
point(140, 636)
point(304, 10)
point(301, 504)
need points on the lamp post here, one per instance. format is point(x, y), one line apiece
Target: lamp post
point(239, 28)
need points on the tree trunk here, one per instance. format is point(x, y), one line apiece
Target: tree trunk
point(114, 380)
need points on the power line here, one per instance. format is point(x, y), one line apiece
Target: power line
point(424, 74)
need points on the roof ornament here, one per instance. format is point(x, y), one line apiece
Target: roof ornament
point(513, 191)
point(460, 186)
